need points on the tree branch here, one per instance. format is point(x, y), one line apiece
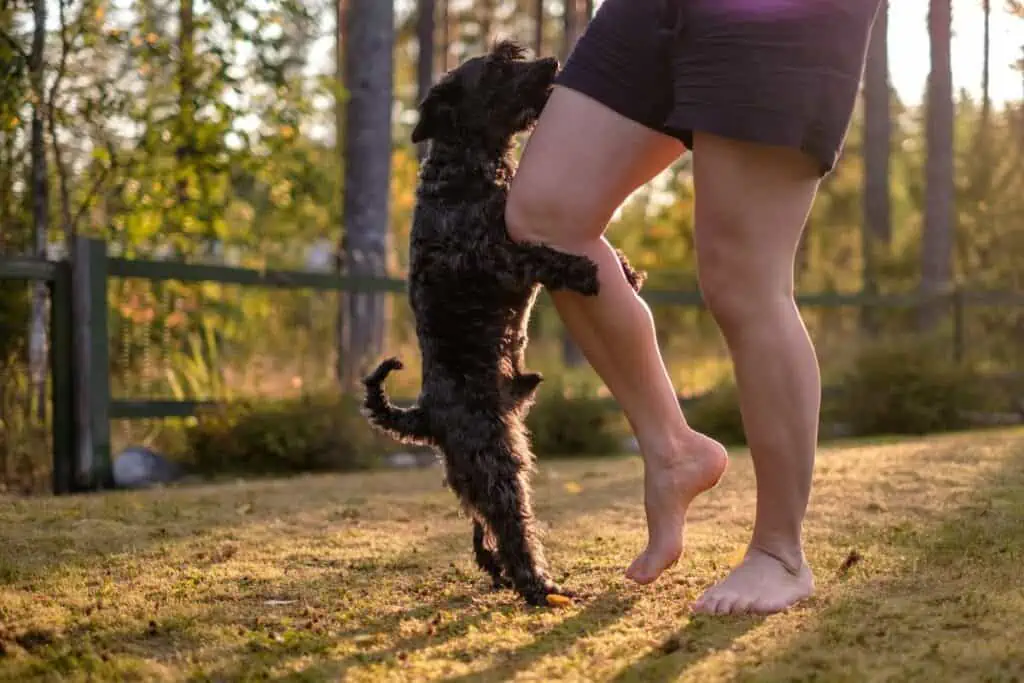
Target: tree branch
point(65, 48)
point(18, 50)
point(93, 191)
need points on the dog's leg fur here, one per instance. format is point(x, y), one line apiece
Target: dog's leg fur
point(407, 425)
point(486, 556)
point(510, 515)
point(554, 269)
point(522, 388)
point(636, 278)
point(489, 473)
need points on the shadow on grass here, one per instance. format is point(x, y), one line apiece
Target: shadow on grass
point(692, 643)
point(950, 611)
point(953, 610)
point(258, 658)
point(598, 614)
point(84, 531)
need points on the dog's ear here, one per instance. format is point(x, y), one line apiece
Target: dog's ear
point(437, 112)
point(508, 50)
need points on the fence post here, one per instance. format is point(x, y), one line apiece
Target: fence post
point(93, 468)
point(61, 375)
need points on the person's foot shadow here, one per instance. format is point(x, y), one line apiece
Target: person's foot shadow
point(701, 636)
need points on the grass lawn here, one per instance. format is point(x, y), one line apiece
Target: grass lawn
point(918, 548)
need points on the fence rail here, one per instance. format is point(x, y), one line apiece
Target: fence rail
point(83, 406)
point(20, 268)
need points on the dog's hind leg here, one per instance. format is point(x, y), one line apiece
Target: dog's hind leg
point(488, 469)
point(486, 557)
point(509, 512)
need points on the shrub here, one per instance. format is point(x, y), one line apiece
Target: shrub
point(717, 414)
point(910, 386)
point(306, 434)
point(569, 420)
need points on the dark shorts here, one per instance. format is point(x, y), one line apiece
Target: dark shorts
point(778, 72)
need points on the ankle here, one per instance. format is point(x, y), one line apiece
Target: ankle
point(673, 450)
point(789, 553)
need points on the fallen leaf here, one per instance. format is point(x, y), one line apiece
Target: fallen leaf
point(853, 558)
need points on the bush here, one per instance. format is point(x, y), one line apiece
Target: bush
point(910, 387)
point(717, 414)
point(571, 421)
point(306, 434)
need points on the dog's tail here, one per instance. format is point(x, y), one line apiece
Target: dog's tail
point(408, 425)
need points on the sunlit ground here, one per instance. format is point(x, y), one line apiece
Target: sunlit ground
point(917, 545)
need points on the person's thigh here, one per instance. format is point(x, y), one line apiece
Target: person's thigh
point(776, 72)
point(600, 136)
point(580, 163)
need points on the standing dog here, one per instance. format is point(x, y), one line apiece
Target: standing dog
point(471, 289)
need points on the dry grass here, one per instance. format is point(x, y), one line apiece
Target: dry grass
point(369, 578)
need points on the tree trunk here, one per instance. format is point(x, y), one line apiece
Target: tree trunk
point(450, 31)
point(368, 50)
point(538, 27)
point(341, 81)
point(186, 97)
point(573, 21)
point(876, 230)
point(40, 205)
point(425, 65)
point(986, 98)
point(937, 240)
point(981, 161)
point(486, 24)
point(982, 136)
point(569, 21)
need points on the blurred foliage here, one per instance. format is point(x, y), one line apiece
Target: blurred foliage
point(571, 419)
point(912, 386)
point(311, 433)
point(215, 142)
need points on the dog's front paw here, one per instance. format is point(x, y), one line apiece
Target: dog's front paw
point(634, 277)
point(581, 276)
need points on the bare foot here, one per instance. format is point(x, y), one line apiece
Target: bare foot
point(761, 584)
point(669, 488)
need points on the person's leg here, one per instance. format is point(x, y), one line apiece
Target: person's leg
point(582, 161)
point(752, 202)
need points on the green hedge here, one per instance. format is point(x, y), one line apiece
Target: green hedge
point(910, 386)
point(572, 420)
point(328, 433)
point(307, 434)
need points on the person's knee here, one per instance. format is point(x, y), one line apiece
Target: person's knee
point(739, 288)
point(533, 213)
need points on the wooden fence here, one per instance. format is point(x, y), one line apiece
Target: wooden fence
point(82, 405)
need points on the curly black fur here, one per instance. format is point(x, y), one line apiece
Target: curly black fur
point(471, 289)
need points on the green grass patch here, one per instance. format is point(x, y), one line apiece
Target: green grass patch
point(917, 546)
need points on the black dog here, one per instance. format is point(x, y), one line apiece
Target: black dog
point(471, 289)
